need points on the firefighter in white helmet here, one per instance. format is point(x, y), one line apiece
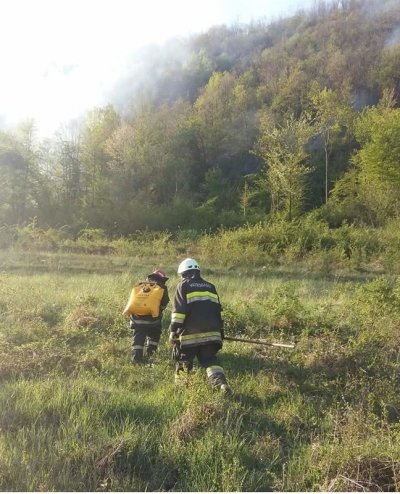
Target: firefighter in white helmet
point(196, 328)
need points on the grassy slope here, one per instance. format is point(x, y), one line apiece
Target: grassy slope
point(75, 415)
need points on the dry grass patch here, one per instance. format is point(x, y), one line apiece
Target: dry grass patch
point(35, 359)
point(82, 317)
point(367, 474)
point(190, 424)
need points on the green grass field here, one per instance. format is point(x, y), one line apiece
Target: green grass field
point(76, 415)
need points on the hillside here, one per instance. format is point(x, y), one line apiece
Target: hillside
point(187, 140)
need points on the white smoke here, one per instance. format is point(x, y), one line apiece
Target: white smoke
point(60, 58)
point(394, 38)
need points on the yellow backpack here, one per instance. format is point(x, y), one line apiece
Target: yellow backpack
point(145, 300)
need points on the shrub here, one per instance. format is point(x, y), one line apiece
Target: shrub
point(284, 309)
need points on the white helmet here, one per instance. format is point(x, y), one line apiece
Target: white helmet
point(188, 264)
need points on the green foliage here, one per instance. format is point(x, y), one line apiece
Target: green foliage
point(378, 131)
point(179, 157)
point(307, 242)
point(282, 148)
point(284, 309)
point(32, 237)
point(332, 115)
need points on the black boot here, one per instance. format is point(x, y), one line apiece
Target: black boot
point(216, 376)
point(137, 356)
point(151, 349)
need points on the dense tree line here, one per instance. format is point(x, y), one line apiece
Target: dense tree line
point(229, 127)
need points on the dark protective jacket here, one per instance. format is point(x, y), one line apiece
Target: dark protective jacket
point(197, 313)
point(143, 322)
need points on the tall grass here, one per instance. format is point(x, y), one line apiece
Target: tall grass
point(307, 242)
point(76, 415)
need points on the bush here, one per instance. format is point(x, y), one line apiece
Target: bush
point(284, 309)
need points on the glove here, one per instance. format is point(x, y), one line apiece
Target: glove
point(172, 337)
point(176, 354)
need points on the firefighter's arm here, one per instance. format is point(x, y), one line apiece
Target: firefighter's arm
point(165, 300)
point(222, 319)
point(178, 313)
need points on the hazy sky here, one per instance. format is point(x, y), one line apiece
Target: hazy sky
point(59, 57)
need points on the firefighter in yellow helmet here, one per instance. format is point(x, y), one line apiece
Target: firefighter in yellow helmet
point(196, 328)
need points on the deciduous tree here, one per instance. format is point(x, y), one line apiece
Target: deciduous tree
point(283, 150)
point(331, 116)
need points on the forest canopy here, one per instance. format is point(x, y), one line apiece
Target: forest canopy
point(230, 127)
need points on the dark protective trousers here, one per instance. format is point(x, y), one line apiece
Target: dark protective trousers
point(144, 336)
point(207, 358)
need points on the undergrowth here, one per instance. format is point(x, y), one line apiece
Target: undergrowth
point(308, 241)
